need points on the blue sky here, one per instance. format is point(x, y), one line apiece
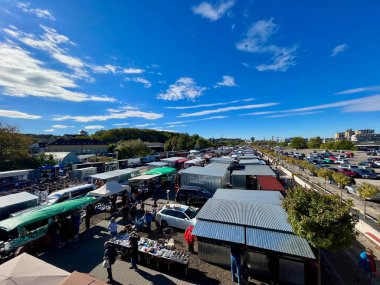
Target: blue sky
point(217, 68)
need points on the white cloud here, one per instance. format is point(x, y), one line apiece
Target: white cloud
point(294, 114)
point(176, 126)
point(144, 125)
point(108, 68)
point(95, 127)
point(210, 105)
point(226, 109)
point(121, 124)
point(213, 12)
point(49, 130)
point(123, 113)
point(17, 115)
point(22, 76)
point(257, 41)
point(228, 81)
point(133, 70)
point(147, 83)
point(358, 90)
point(339, 49)
point(183, 88)
point(245, 64)
point(196, 120)
point(40, 13)
point(61, 126)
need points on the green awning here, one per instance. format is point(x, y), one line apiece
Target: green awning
point(43, 213)
point(161, 171)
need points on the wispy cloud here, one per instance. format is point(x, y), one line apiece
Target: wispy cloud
point(183, 88)
point(40, 13)
point(338, 49)
point(227, 109)
point(18, 115)
point(144, 125)
point(62, 126)
point(257, 41)
point(210, 105)
point(359, 90)
point(94, 127)
point(213, 12)
point(133, 70)
point(49, 130)
point(228, 81)
point(108, 68)
point(121, 124)
point(120, 114)
point(294, 114)
point(196, 120)
point(144, 81)
point(21, 75)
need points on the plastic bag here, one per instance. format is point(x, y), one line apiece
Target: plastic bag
point(106, 263)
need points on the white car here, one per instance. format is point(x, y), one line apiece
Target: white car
point(341, 161)
point(177, 216)
point(351, 189)
point(348, 166)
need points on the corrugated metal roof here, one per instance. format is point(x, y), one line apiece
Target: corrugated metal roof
point(255, 170)
point(244, 157)
point(16, 199)
point(279, 241)
point(13, 173)
point(249, 162)
point(225, 160)
point(219, 231)
point(172, 159)
point(213, 169)
point(157, 163)
point(249, 213)
point(271, 197)
point(114, 173)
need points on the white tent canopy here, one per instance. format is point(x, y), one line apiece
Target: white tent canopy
point(108, 189)
point(29, 270)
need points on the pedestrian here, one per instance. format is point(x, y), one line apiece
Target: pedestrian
point(235, 251)
point(132, 212)
point(113, 204)
point(76, 221)
point(109, 258)
point(368, 264)
point(112, 227)
point(134, 251)
point(148, 218)
point(190, 239)
point(89, 212)
point(124, 213)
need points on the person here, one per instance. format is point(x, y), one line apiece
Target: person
point(367, 263)
point(110, 254)
point(132, 212)
point(134, 251)
point(235, 262)
point(124, 213)
point(89, 212)
point(190, 238)
point(113, 204)
point(112, 227)
point(148, 218)
point(76, 221)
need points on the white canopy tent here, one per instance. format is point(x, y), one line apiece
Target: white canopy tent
point(144, 177)
point(29, 270)
point(108, 189)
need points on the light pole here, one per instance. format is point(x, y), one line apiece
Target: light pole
point(167, 195)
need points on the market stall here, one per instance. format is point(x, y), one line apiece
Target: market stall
point(154, 252)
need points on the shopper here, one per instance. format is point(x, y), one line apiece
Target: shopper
point(124, 213)
point(367, 263)
point(148, 218)
point(89, 213)
point(109, 258)
point(134, 251)
point(235, 251)
point(112, 227)
point(189, 238)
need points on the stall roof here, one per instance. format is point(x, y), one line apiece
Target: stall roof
point(144, 177)
point(227, 160)
point(250, 162)
point(269, 183)
point(114, 173)
point(248, 213)
point(161, 171)
point(255, 170)
point(13, 173)
point(108, 189)
point(278, 241)
point(17, 198)
point(210, 170)
point(270, 197)
point(195, 160)
point(220, 231)
point(44, 213)
point(244, 157)
point(172, 159)
point(158, 163)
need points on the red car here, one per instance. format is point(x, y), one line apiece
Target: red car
point(348, 172)
point(332, 157)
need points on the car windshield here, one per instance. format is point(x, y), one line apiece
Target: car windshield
point(54, 196)
point(191, 212)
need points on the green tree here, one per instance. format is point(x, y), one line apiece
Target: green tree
point(342, 180)
point(314, 142)
point(13, 148)
point(298, 142)
point(366, 190)
point(132, 148)
point(321, 219)
point(325, 174)
point(344, 145)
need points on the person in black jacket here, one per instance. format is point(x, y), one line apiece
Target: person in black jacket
point(134, 251)
point(110, 254)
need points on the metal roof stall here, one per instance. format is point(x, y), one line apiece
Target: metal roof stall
point(156, 164)
point(257, 220)
point(120, 175)
point(213, 176)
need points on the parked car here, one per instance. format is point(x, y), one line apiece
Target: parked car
point(176, 216)
point(351, 189)
point(367, 168)
point(328, 161)
point(341, 161)
point(376, 163)
point(348, 172)
point(193, 196)
point(362, 173)
point(349, 166)
point(373, 153)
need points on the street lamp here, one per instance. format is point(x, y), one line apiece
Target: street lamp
point(167, 194)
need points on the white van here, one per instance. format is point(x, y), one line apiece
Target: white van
point(69, 193)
